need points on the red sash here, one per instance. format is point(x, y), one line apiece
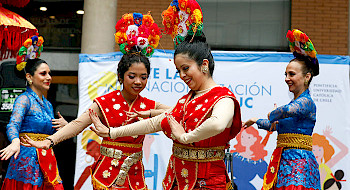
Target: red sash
point(113, 107)
point(270, 177)
point(48, 166)
point(191, 114)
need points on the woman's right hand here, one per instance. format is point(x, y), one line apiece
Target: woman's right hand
point(136, 114)
point(12, 149)
point(249, 122)
point(28, 142)
point(100, 129)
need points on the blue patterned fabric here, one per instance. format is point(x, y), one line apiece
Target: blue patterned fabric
point(297, 166)
point(30, 115)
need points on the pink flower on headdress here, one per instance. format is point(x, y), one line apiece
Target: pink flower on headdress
point(290, 36)
point(154, 29)
point(143, 31)
point(147, 20)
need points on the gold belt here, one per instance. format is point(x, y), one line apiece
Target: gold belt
point(34, 136)
point(196, 154)
point(129, 145)
point(292, 140)
point(130, 160)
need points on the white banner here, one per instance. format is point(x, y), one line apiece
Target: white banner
point(257, 80)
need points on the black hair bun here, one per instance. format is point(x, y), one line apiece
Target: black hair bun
point(196, 38)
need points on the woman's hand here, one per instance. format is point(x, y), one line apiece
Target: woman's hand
point(60, 122)
point(176, 128)
point(136, 114)
point(249, 122)
point(12, 149)
point(100, 129)
point(28, 142)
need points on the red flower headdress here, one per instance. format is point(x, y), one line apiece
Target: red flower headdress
point(301, 45)
point(137, 30)
point(31, 49)
point(181, 18)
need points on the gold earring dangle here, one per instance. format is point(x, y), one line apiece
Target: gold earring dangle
point(30, 82)
point(205, 69)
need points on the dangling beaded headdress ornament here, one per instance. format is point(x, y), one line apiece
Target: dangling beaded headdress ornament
point(31, 49)
point(181, 18)
point(135, 29)
point(301, 45)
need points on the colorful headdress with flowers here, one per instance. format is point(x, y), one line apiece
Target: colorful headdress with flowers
point(301, 45)
point(181, 18)
point(31, 49)
point(139, 31)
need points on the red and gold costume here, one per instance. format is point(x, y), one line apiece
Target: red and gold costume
point(200, 162)
point(120, 162)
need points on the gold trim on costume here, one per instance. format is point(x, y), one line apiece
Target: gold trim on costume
point(129, 145)
point(34, 136)
point(196, 154)
point(292, 140)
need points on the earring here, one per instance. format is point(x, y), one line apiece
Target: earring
point(30, 82)
point(205, 69)
point(306, 82)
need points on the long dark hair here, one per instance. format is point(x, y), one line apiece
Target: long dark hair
point(196, 48)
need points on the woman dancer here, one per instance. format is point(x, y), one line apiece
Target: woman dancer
point(201, 124)
point(32, 168)
point(293, 164)
point(120, 163)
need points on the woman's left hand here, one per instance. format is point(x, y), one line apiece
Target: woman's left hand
point(176, 128)
point(60, 122)
point(100, 129)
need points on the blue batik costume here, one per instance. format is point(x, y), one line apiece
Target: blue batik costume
point(298, 168)
point(31, 116)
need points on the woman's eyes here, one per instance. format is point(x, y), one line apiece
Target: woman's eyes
point(142, 77)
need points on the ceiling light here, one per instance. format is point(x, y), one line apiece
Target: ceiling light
point(80, 12)
point(43, 8)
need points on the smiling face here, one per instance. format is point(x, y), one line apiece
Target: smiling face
point(41, 78)
point(190, 72)
point(135, 80)
point(295, 78)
